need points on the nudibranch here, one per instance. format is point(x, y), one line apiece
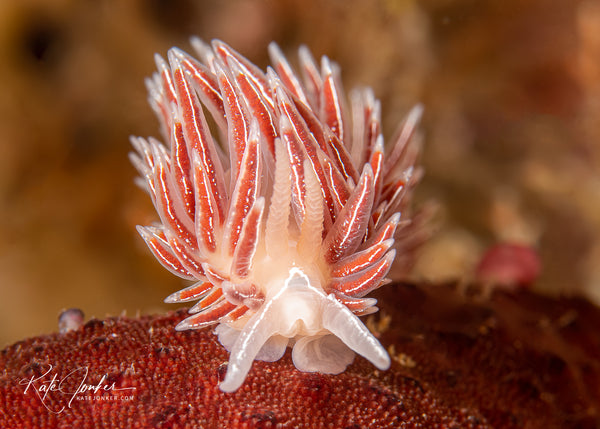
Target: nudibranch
point(282, 207)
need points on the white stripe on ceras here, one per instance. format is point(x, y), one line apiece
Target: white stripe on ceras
point(247, 188)
point(348, 230)
point(197, 134)
point(332, 108)
point(248, 241)
point(285, 72)
point(205, 82)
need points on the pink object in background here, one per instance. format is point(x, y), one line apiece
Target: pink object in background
point(509, 265)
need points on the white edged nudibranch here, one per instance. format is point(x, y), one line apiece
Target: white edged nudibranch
point(282, 209)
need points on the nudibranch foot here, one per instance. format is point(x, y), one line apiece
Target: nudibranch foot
point(327, 354)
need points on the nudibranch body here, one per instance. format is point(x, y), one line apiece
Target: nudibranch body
point(289, 222)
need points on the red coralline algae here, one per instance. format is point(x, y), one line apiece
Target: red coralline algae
point(518, 360)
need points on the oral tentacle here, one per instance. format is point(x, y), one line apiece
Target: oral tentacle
point(341, 322)
point(252, 338)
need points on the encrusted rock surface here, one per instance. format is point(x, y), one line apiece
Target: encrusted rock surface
point(515, 360)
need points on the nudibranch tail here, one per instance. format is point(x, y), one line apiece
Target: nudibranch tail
point(280, 201)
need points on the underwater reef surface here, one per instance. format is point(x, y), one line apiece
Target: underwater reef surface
point(513, 360)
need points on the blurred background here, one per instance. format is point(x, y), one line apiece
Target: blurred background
point(511, 90)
